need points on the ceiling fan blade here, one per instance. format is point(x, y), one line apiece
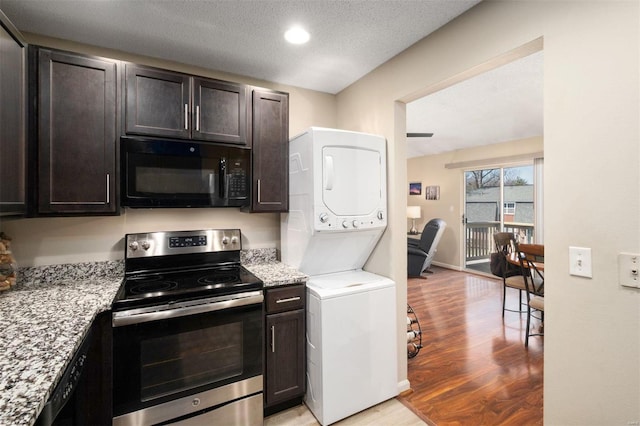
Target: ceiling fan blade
point(419, 135)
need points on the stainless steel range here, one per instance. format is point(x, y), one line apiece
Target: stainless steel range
point(187, 332)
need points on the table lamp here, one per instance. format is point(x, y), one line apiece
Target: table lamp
point(413, 213)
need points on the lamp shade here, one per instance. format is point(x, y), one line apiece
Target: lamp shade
point(413, 212)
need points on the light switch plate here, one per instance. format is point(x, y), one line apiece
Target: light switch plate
point(629, 269)
point(580, 262)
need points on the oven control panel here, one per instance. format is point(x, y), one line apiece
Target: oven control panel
point(182, 242)
point(188, 241)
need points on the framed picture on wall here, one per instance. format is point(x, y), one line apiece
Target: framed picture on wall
point(432, 192)
point(415, 188)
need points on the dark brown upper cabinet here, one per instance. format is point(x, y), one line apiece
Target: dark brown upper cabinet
point(169, 104)
point(77, 122)
point(12, 120)
point(270, 165)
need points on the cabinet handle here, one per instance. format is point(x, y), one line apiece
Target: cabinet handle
point(259, 192)
point(108, 188)
point(290, 299)
point(186, 116)
point(197, 118)
point(273, 338)
point(260, 197)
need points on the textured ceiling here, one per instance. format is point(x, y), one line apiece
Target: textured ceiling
point(245, 37)
point(349, 39)
point(501, 105)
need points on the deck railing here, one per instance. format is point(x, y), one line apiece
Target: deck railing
point(480, 237)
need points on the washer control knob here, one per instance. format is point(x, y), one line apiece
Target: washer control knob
point(133, 245)
point(380, 215)
point(345, 224)
point(225, 240)
point(355, 223)
point(324, 217)
point(145, 245)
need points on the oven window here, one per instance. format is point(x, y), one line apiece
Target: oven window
point(190, 359)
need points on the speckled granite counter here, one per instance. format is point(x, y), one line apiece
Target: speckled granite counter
point(264, 265)
point(44, 318)
point(42, 322)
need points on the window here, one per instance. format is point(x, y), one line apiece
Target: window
point(509, 208)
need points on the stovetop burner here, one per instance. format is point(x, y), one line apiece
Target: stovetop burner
point(168, 267)
point(151, 286)
point(150, 289)
point(218, 279)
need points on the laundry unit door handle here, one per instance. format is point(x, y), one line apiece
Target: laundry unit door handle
point(328, 168)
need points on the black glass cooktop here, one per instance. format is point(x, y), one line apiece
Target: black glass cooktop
point(146, 289)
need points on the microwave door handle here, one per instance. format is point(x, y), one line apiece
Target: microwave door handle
point(222, 172)
point(212, 185)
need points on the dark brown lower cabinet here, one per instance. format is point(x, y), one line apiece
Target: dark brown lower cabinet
point(285, 347)
point(77, 130)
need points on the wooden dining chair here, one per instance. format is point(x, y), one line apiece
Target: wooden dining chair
point(531, 257)
point(511, 274)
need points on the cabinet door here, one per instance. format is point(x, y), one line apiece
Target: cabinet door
point(77, 132)
point(12, 125)
point(270, 151)
point(285, 356)
point(157, 102)
point(220, 111)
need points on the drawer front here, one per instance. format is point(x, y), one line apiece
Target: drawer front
point(285, 298)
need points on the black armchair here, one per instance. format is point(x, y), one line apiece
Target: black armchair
point(420, 252)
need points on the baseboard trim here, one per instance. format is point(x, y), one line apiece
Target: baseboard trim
point(403, 386)
point(447, 266)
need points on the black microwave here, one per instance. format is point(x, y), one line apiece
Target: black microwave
point(173, 173)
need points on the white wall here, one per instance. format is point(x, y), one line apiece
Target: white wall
point(45, 241)
point(592, 185)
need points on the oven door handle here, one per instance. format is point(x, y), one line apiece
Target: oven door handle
point(120, 319)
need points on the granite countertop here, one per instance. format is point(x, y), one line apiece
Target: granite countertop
point(263, 264)
point(42, 322)
point(44, 318)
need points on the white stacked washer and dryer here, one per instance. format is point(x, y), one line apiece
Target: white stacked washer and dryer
point(337, 213)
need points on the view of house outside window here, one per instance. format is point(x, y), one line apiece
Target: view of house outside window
point(496, 200)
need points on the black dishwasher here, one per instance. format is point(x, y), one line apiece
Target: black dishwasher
point(83, 395)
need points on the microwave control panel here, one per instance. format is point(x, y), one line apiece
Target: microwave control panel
point(237, 180)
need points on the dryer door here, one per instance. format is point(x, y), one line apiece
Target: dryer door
point(351, 180)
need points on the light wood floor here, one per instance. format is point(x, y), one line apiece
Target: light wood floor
point(391, 412)
point(473, 369)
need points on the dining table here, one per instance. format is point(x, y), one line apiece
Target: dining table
point(514, 259)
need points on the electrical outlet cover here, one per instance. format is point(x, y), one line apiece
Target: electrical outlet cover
point(629, 269)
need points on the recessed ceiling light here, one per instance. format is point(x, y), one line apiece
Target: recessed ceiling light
point(296, 35)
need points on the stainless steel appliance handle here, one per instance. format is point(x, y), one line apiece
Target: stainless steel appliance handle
point(186, 116)
point(197, 118)
point(222, 173)
point(108, 188)
point(138, 316)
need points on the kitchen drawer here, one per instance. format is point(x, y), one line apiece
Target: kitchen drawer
point(285, 298)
